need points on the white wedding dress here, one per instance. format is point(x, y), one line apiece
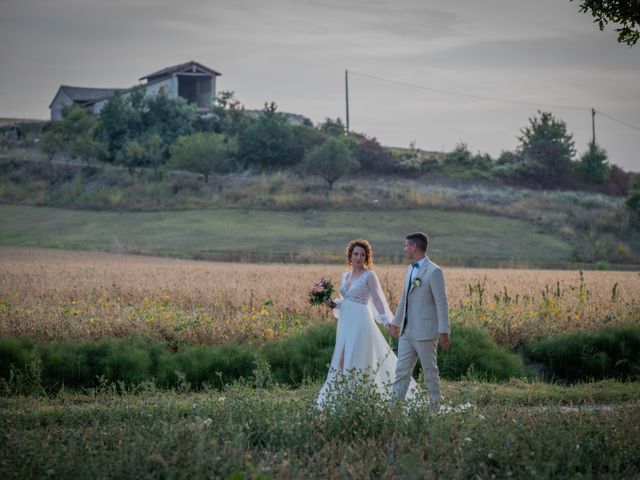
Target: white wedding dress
point(366, 352)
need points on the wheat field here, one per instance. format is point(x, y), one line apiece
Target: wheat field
point(52, 294)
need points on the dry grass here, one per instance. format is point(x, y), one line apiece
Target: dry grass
point(49, 294)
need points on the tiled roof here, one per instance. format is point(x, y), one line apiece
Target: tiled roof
point(181, 68)
point(86, 94)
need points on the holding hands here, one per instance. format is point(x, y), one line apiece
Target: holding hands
point(394, 330)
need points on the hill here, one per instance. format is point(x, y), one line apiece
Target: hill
point(264, 235)
point(506, 224)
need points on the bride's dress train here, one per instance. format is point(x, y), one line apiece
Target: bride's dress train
point(360, 346)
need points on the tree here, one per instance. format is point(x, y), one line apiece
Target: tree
point(230, 113)
point(132, 155)
point(78, 129)
point(632, 201)
point(304, 138)
point(267, 141)
point(137, 117)
point(332, 127)
point(115, 124)
point(546, 149)
point(625, 13)
point(53, 140)
point(146, 152)
point(618, 182)
point(331, 160)
point(204, 153)
point(373, 157)
point(508, 165)
point(155, 152)
point(168, 117)
point(593, 166)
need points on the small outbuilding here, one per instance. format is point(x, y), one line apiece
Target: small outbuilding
point(191, 80)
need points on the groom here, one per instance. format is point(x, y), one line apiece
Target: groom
point(421, 320)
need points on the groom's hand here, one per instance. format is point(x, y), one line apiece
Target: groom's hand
point(394, 330)
point(444, 340)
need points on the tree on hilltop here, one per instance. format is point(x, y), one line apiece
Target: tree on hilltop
point(373, 157)
point(75, 134)
point(267, 141)
point(546, 150)
point(335, 128)
point(593, 165)
point(204, 153)
point(331, 160)
point(230, 113)
point(139, 116)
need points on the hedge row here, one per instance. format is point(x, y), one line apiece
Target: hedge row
point(612, 352)
point(289, 362)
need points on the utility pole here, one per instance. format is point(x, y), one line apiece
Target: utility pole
point(593, 126)
point(346, 94)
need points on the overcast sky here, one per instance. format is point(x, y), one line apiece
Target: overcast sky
point(295, 52)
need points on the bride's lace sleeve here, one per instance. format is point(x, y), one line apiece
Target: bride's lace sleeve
point(338, 300)
point(381, 311)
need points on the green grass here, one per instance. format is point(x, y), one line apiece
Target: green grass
point(517, 430)
point(259, 235)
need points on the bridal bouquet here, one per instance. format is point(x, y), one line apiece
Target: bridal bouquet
point(321, 292)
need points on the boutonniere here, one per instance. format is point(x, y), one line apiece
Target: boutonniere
point(417, 282)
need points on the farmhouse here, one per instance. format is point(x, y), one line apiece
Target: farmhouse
point(191, 81)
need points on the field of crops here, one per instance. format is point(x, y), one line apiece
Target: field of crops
point(51, 294)
point(248, 429)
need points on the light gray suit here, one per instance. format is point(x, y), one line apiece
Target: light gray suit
point(424, 306)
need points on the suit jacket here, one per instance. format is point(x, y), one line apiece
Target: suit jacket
point(425, 304)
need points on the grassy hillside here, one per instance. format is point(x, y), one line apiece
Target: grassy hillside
point(264, 235)
point(598, 228)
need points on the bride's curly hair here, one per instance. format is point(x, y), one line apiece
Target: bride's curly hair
point(368, 261)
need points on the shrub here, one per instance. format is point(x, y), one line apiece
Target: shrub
point(201, 365)
point(290, 361)
point(331, 160)
point(302, 357)
point(14, 353)
point(610, 352)
point(204, 153)
point(474, 354)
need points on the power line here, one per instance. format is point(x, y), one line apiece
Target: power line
point(622, 122)
point(467, 95)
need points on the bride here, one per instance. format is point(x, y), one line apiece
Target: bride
point(360, 346)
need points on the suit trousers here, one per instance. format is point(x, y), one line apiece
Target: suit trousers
point(409, 350)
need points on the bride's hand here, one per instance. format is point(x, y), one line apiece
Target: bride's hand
point(330, 303)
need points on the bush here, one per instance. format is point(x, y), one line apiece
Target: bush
point(131, 361)
point(291, 361)
point(212, 365)
point(15, 353)
point(612, 352)
point(301, 357)
point(474, 354)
